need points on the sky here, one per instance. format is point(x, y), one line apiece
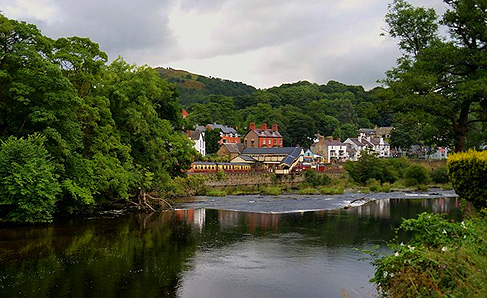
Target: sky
point(262, 43)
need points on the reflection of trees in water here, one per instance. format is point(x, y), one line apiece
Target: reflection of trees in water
point(131, 256)
point(146, 254)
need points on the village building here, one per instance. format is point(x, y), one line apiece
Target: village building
point(231, 150)
point(366, 142)
point(278, 160)
point(227, 134)
point(331, 150)
point(198, 137)
point(263, 137)
point(377, 132)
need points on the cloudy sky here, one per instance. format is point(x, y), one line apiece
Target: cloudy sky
point(263, 43)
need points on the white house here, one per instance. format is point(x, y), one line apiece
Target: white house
point(198, 137)
point(362, 142)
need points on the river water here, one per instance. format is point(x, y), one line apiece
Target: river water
point(244, 246)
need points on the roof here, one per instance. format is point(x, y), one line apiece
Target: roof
point(334, 142)
point(225, 129)
point(376, 141)
point(234, 147)
point(273, 150)
point(369, 131)
point(195, 134)
point(292, 156)
point(268, 133)
point(363, 143)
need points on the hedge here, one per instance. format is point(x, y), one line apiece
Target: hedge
point(468, 173)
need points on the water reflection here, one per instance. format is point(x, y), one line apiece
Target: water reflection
point(204, 252)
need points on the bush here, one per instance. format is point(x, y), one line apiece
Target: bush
point(331, 191)
point(416, 175)
point(216, 193)
point(442, 259)
point(468, 174)
point(370, 166)
point(273, 191)
point(440, 175)
point(308, 191)
point(315, 179)
point(29, 185)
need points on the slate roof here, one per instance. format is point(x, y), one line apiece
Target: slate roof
point(195, 134)
point(273, 150)
point(334, 143)
point(268, 133)
point(363, 143)
point(225, 129)
point(234, 147)
point(376, 141)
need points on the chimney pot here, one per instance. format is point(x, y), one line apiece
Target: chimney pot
point(264, 126)
point(275, 127)
point(252, 126)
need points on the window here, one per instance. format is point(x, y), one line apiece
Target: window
point(263, 142)
point(275, 141)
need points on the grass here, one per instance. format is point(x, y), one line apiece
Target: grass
point(331, 190)
point(216, 193)
point(271, 190)
point(308, 191)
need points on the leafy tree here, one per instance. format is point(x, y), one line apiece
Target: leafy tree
point(443, 78)
point(29, 186)
point(212, 137)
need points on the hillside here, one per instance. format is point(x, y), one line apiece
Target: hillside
point(196, 88)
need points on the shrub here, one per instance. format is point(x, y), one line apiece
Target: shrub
point(216, 193)
point(331, 191)
point(308, 191)
point(442, 259)
point(440, 175)
point(315, 179)
point(28, 184)
point(273, 191)
point(370, 166)
point(416, 175)
point(468, 174)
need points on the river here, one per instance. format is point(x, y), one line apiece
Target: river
point(243, 246)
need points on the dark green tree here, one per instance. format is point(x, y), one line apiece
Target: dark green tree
point(444, 78)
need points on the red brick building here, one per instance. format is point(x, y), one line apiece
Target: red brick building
point(263, 137)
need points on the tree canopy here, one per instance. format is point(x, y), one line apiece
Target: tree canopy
point(442, 77)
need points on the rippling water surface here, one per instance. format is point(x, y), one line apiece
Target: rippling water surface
point(247, 246)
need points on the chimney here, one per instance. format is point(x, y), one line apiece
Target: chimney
point(251, 125)
point(263, 126)
point(359, 138)
point(330, 138)
point(274, 127)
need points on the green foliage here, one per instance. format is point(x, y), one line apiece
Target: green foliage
point(441, 79)
point(216, 193)
point(212, 137)
point(331, 190)
point(308, 191)
point(468, 173)
point(440, 175)
point(271, 190)
point(109, 130)
point(416, 175)
point(29, 186)
point(442, 258)
point(316, 179)
point(370, 166)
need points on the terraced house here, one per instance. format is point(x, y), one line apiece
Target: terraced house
point(263, 137)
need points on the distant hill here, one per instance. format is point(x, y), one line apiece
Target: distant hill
point(196, 88)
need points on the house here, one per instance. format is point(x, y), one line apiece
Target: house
point(365, 141)
point(310, 157)
point(227, 134)
point(263, 137)
point(330, 149)
point(279, 160)
point(198, 136)
point(231, 150)
point(377, 132)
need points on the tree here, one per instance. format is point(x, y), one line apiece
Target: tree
point(445, 79)
point(29, 186)
point(212, 137)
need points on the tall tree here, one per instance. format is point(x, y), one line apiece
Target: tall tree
point(447, 78)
